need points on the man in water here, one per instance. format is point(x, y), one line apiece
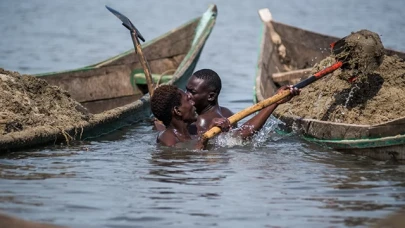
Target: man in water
point(176, 110)
point(204, 87)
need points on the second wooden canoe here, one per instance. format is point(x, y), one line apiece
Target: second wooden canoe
point(286, 56)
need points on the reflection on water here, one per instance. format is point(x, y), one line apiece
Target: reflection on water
point(117, 182)
point(19, 165)
point(185, 167)
point(124, 180)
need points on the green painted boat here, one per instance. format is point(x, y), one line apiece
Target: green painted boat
point(115, 90)
point(286, 56)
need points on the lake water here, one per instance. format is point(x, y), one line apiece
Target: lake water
point(123, 180)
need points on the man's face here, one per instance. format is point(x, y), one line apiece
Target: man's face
point(187, 108)
point(199, 92)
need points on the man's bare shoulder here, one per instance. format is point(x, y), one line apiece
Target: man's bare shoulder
point(167, 138)
point(226, 112)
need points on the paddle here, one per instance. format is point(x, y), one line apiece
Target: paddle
point(271, 100)
point(135, 34)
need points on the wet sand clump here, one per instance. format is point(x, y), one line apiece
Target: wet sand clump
point(376, 95)
point(28, 102)
point(362, 52)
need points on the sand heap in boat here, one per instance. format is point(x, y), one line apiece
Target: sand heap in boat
point(375, 96)
point(27, 102)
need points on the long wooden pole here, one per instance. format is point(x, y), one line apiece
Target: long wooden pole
point(143, 61)
point(271, 100)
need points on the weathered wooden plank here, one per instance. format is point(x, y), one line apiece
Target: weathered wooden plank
point(291, 77)
point(95, 84)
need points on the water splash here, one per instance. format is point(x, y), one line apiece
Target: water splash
point(229, 140)
point(317, 105)
point(263, 135)
point(352, 91)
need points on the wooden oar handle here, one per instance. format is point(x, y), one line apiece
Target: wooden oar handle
point(246, 112)
point(271, 100)
point(318, 75)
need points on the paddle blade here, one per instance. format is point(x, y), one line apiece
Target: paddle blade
point(126, 22)
point(338, 47)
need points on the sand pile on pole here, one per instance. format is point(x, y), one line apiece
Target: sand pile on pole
point(362, 52)
point(28, 102)
point(369, 89)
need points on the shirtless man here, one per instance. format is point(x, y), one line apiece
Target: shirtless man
point(204, 87)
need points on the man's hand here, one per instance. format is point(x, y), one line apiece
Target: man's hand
point(293, 92)
point(222, 123)
point(201, 143)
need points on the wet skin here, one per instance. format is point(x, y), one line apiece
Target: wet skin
point(182, 116)
point(206, 103)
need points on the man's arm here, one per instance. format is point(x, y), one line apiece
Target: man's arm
point(227, 113)
point(256, 123)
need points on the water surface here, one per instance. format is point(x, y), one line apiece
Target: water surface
point(124, 180)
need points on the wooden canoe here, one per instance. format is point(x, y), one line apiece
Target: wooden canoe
point(286, 56)
point(115, 90)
